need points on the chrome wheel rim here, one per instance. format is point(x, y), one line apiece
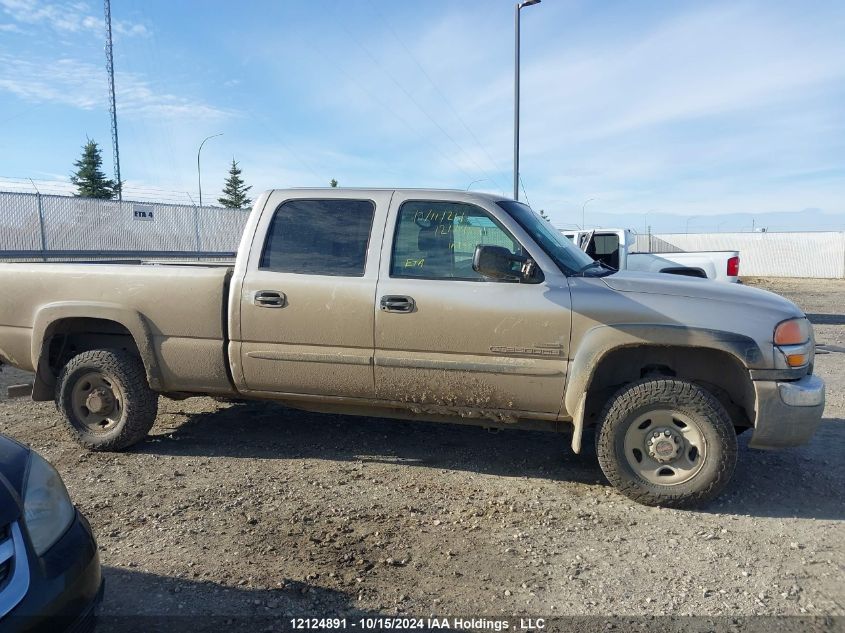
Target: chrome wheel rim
point(97, 401)
point(665, 447)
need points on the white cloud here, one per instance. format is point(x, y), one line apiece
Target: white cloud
point(681, 108)
point(65, 17)
point(82, 85)
point(703, 110)
point(127, 28)
point(697, 65)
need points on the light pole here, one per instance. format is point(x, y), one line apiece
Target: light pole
point(475, 181)
point(519, 6)
point(689, 219)
point(646, 225)
point(583, 212)
point(199, 172)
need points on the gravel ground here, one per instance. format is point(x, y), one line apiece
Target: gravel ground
point(255, 509)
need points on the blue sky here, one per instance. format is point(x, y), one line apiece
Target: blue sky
point(659, 111)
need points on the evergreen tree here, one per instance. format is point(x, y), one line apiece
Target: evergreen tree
point(333, 183)
point(89, 178)
point(234, 192)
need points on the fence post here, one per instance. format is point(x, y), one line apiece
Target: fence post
point(842, 235)
point(41, 228)
point(197, 230)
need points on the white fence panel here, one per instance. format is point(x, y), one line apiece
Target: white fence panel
point(808, 254)
point(91, 225)
point(88, 226)
point(220, 229)
point(19, 225)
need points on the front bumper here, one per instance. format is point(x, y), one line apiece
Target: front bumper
point(788, 413)
point(65, 586)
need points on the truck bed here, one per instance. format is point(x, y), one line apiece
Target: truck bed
point(182, 306)
point(711, 264)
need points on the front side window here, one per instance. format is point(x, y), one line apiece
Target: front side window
point(437, 240)
point(319, 237)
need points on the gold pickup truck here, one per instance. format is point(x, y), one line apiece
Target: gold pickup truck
point(428, 305)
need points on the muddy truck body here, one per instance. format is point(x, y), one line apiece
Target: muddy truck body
point(426, 305)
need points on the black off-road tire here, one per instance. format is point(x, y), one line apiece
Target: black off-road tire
point(635, 399)
point(139, 403)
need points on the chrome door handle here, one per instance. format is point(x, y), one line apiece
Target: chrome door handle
point(269, 299)
point(397, 303)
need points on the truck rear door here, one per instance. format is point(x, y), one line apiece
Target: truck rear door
point(307, 297)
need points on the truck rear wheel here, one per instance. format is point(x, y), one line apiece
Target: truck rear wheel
point(666, 442)
point(106, 400)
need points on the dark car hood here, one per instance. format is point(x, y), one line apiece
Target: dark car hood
point(680, 286)
point(13, 462)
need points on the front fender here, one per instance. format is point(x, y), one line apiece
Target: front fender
point(50, 316)
point(601, 340)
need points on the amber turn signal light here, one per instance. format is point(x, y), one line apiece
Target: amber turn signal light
point(796, 360)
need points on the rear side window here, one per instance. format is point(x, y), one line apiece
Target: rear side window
point(319, 237)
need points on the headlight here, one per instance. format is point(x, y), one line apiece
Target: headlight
point(794, 338)
point(48, 511)
point(792, 332)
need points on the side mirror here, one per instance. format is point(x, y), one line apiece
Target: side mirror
point(497, 262)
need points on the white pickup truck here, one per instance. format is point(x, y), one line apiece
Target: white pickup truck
point(614, 248)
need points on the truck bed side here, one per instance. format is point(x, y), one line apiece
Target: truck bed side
point(174, 314)
point(713, 264)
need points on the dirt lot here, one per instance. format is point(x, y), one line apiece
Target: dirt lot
point(255, 509)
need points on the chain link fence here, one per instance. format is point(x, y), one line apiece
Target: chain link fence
point(35, 226)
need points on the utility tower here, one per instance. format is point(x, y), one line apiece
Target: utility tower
point(112, 103)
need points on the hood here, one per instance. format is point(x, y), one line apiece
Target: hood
point(697, 288)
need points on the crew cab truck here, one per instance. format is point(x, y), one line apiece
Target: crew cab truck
point(615, 248)
point(428, 305)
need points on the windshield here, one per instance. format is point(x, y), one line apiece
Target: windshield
point(569, 258)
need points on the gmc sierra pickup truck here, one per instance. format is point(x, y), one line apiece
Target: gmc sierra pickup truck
point(428, 305)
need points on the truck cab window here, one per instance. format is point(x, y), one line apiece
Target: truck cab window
point(319, 237)
point(605, 248)
point(437, 240)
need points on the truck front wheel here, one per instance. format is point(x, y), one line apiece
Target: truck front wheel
point(105, 399)
point(666, 442)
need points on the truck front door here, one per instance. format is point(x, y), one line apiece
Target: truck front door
point(307, 296)
point(445, 336)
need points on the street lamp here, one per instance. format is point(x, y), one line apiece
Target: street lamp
point(519, 7)
point(646, 224)
point(199, 173)
point(584, 210)
point(475, 181)
point(689, 219)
